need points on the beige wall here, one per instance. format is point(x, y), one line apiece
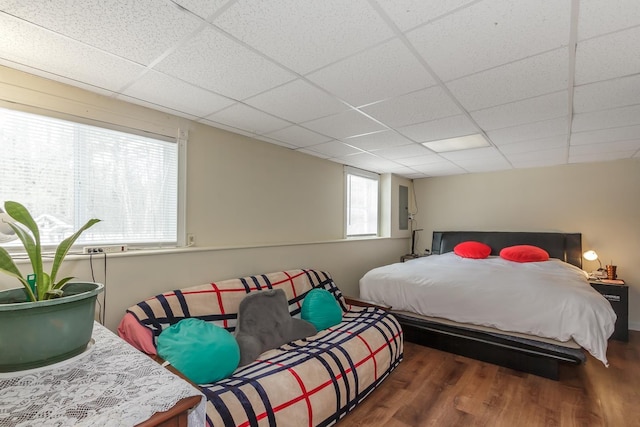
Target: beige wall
point(253, 207)
point(599, 200)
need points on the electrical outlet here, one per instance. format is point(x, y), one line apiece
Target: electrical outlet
point(109, 249)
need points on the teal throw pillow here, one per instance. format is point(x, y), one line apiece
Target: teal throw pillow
point(202, 351)
point(321, 309)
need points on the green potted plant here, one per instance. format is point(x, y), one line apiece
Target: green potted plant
point(46, 320)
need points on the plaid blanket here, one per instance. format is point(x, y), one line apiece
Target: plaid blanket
point(310, 382)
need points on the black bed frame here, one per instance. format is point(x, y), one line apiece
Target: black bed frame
point(492, 348)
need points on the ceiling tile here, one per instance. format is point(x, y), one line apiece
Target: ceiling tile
point(608, 57)
point(448, 127)
point(411, 13)
point(213, 61)
point(203, 8)
point(138, 30)
point(579, 154)
point(530, 131)
point(57, 55)
point(298, 136)
point(364, 78)
point(344, 125)
point(305, 38)
point(533, 76)
point(417, 107)
point(599, 17)
point(606, 135)
point(472, 154)
point(552, 157)
point(156, 107)
point(620, 92)
point(312, 153)
point(491, 33)
point(247, 118)
point(402, 152)
point(442, 168)
point(521, 112)
point(164, 90)
point(625, 149)
point(377, 140)
point(334, 149)
point(274, 141)
point(617, 117)
point(420, 160)
point(297, 101)
point(558, 141)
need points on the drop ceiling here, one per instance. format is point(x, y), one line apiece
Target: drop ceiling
point(363, 83)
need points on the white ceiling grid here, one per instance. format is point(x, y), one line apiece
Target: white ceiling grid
point(362, 82)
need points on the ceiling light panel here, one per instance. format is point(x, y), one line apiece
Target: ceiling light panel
point(344, 125)
point(297, 101)
point(458, 143)
point(417, 107)
point(215, 62)
point(364, 78)
point(325, 31)
point(29, 44)
point(522, 112)
point(491, 33)
point(138, 30)
point(247, 118)
point(529, 77)
point(161, 89)
point(334, 149)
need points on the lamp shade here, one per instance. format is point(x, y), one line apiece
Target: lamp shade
point(590, 255)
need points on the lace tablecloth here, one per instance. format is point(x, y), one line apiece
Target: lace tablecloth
point(111, 384)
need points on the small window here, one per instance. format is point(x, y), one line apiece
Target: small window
point(362, 202)
point(66, 173)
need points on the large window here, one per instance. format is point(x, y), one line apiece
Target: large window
point(362, 202)
point(66, 173)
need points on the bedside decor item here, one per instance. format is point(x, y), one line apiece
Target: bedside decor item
point(591, 255)
point(55, 318)
point(611, 272)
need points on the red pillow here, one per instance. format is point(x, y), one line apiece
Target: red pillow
point(524, 253)
point(471, 249)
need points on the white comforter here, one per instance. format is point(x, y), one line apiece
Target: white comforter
point(550, 299)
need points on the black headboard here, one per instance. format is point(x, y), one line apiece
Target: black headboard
point(564, 246)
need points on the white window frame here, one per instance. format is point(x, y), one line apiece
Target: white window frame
point(181, 139)
point(348, 170)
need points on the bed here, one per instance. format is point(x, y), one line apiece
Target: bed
point(532, 317)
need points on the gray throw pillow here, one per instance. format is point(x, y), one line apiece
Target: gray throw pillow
point(264, 323)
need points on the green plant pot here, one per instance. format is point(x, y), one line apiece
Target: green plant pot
point(35, 334)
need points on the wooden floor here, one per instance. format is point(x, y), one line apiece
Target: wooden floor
point(434, 388)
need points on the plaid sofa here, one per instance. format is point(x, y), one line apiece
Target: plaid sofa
point(310, 382)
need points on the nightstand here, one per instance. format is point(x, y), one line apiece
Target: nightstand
point(618, 297)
